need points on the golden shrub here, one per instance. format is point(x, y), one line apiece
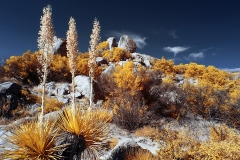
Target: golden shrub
point(130, 77)
point(59, 69)
point(116, 54)
point(51, 104)
point(163, 65)
point(102, 47)
point(194, 70)
point(82, 65)
point(23, 68)
point(179, 69)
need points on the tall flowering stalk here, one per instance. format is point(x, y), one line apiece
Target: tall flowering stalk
point(72, 50)
point(45, 45)
point(95, 38)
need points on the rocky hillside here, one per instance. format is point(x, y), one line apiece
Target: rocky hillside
point(154, 109)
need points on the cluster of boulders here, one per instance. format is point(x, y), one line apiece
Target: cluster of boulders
point(11, 91)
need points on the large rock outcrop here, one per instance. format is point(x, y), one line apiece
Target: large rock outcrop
point(112, 42)
point(127, 43)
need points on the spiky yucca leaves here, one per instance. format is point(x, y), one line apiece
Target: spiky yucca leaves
point(31, 141)
point(95, 38)
point(72, 50)
point(45, 45)
point(87, 133)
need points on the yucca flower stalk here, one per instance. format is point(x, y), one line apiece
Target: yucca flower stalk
point(45, 45)
point(95, 38)
point(86, 133)
point(72, 50)
point(29, 141)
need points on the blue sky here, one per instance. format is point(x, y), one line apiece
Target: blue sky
point(202, 31)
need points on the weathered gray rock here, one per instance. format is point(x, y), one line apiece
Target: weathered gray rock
point(112, 42)
point(50, 87)
point(4, 86)
point(82, 86)
point(143, 59)
point(127, 43)
point(63, 89)
point(101, 61)
point(110, 69)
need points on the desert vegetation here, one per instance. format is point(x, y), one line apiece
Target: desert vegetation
point(138, 99)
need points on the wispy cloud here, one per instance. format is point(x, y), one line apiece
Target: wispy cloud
point(195, 56)
point(175, 50)
point(231, 69)
point(138, 39)
point(173, 34)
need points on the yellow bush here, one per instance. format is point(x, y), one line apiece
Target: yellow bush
point(215, 77)
point(163, 65)
point(82, 66)
point(23, 68)
point(51, 104)
point(194, 70)
point(102, 47)
point(179, 69)
point(116, 55)
point(130, 78)
point(224, 144)
point(59, 69)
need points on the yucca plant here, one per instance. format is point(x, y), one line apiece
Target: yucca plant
point(45, 45)
point(86, 134)
point(95, 38)
point(31, 141)
point(72, 50)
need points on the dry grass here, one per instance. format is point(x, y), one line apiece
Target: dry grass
point(113, 142)
point(147, 131)
point(51, 104)
point(140, 154)
point(224, 144)
point(33, 141)
point(86, 132)
point(102, 115)
point(18, 113)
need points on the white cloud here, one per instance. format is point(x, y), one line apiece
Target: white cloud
point(138, 39)
point(173, 34)
point(196, 56)
point(231, 69)
point(175, 50)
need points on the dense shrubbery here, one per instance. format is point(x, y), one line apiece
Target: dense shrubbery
point(116, 54)
point(27, 69)
point(23, 68)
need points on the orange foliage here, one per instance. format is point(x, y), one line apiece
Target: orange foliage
point(163, 65)
point(23, 68)
point(116, 54)
point(82, 65)
point(194, 70)
point(130, 77)
point(180, 69)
